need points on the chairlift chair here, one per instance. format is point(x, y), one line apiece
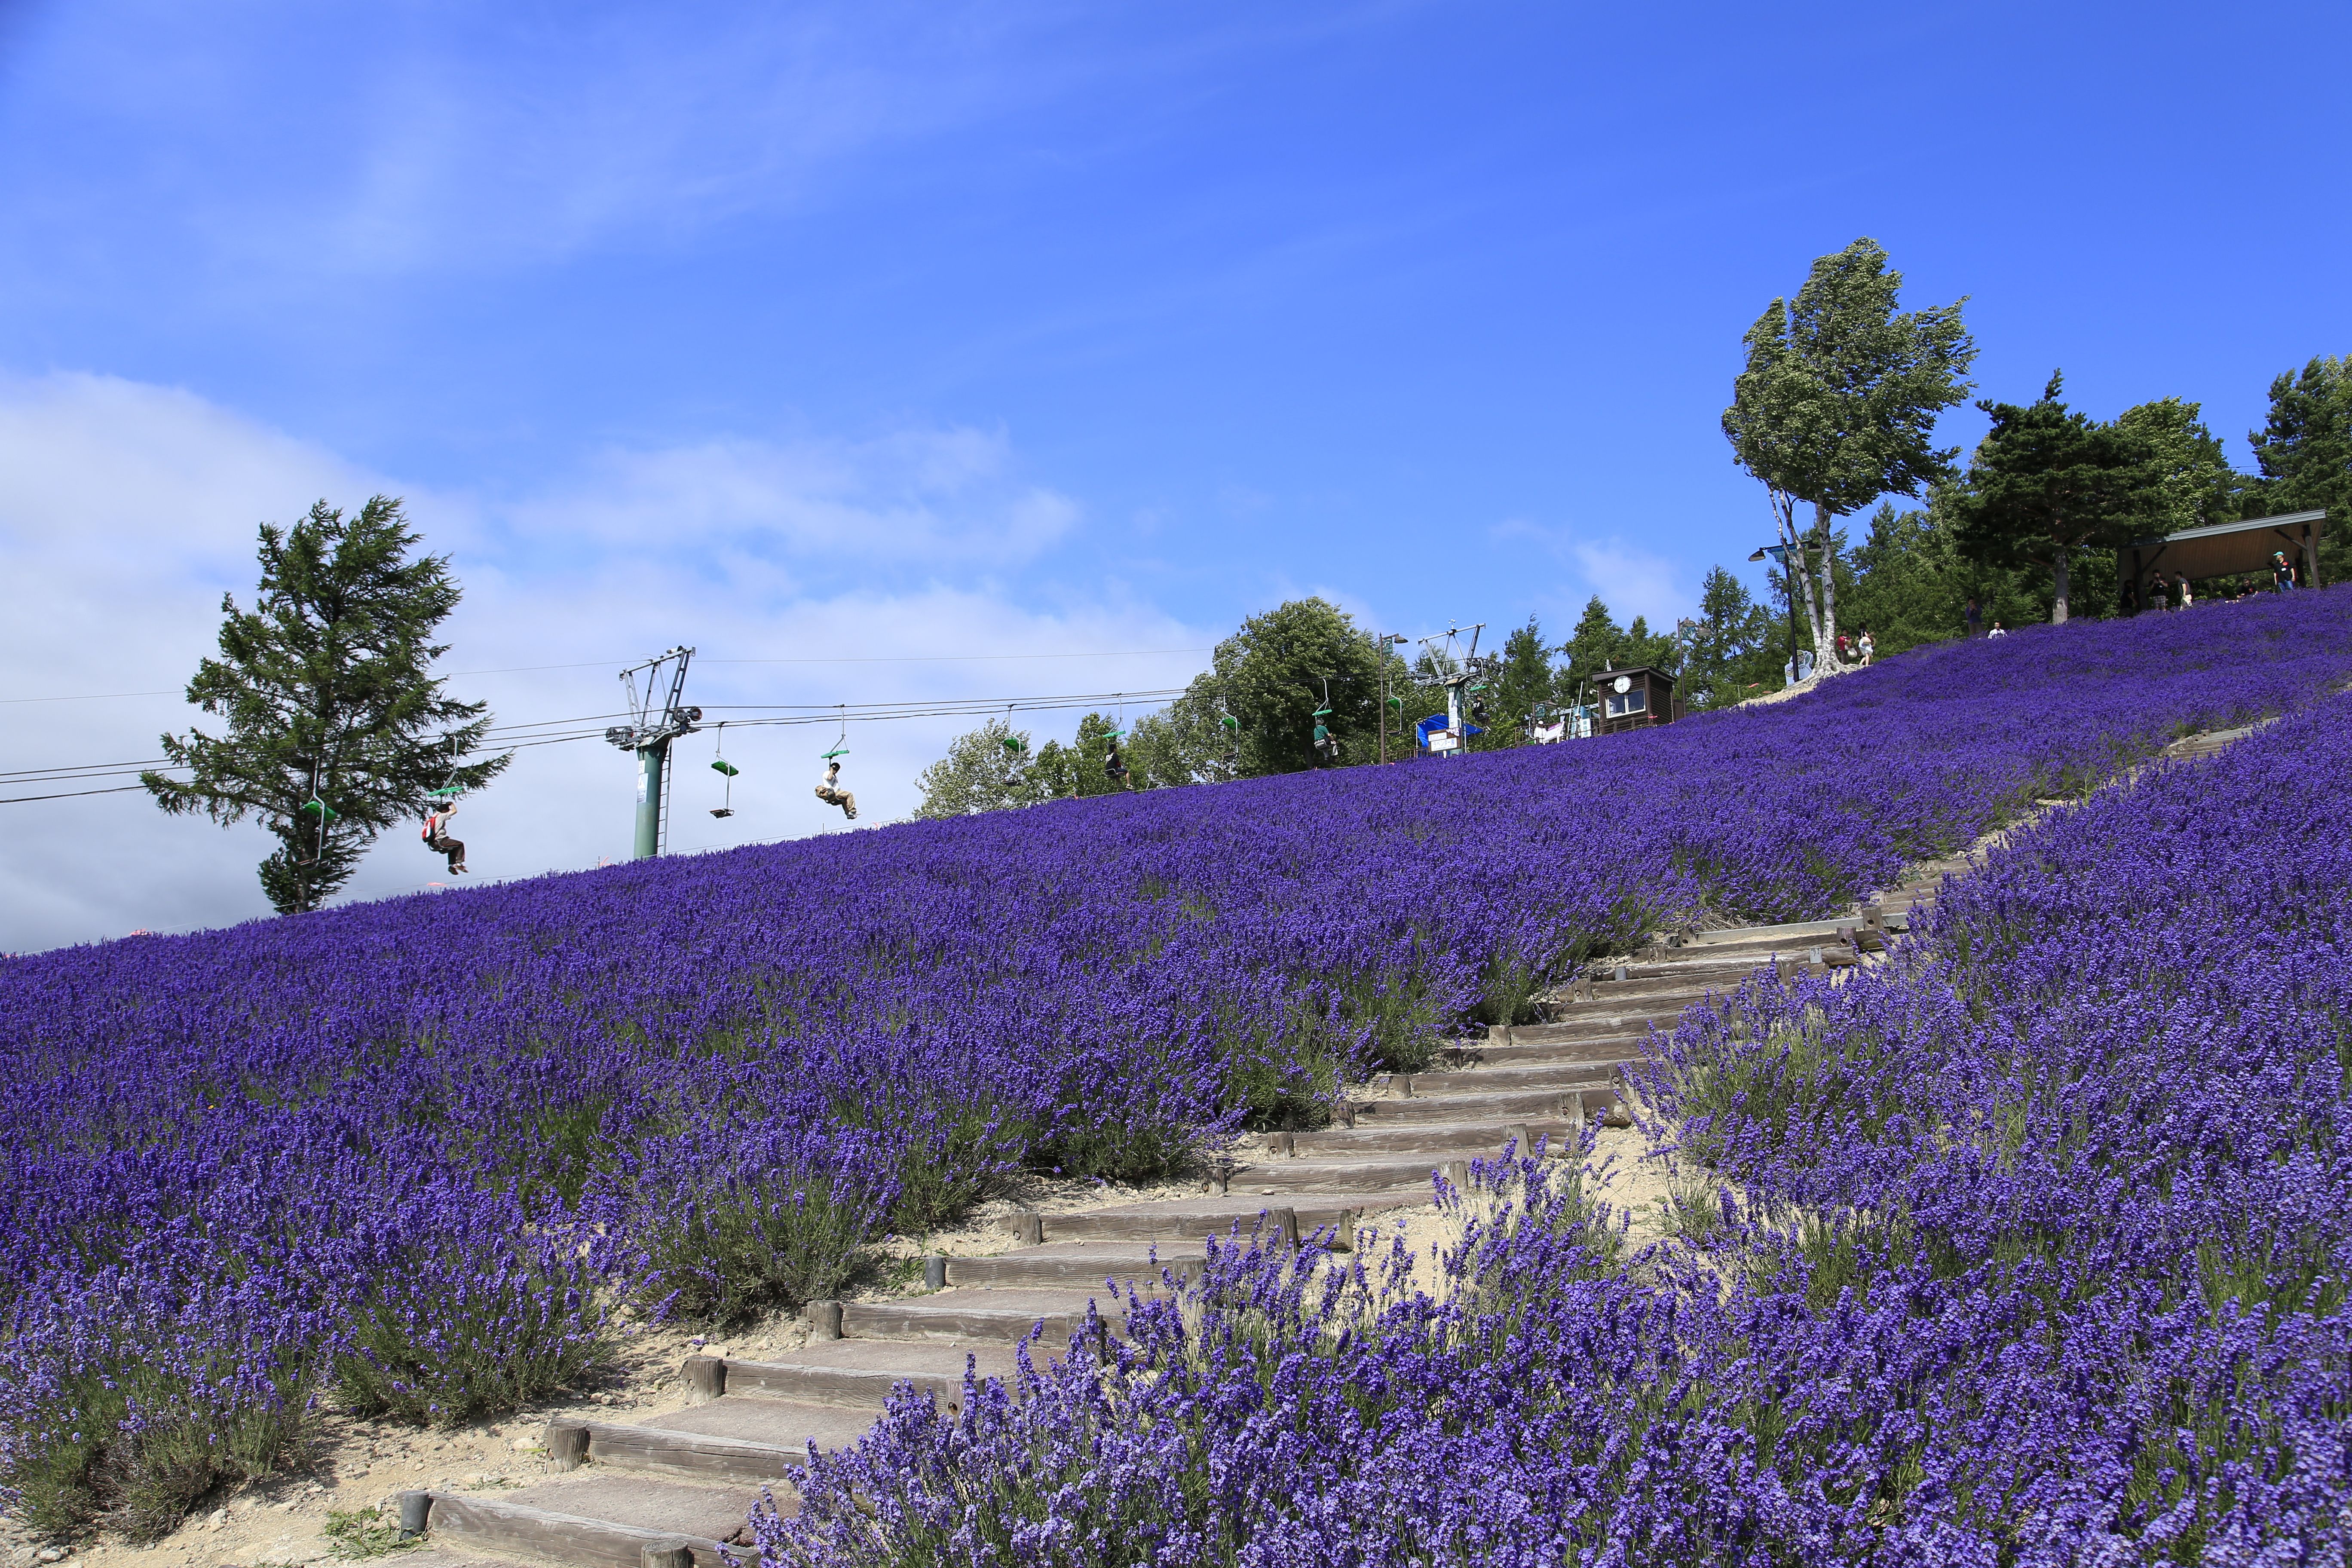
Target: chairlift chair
point(720, 766)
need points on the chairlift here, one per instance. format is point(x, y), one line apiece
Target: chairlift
point(322, 818)
point(1327, 745)
point(450, 788)
point(719, 764)
point(840, 741)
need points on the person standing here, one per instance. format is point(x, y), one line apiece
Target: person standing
point(2180, 581)
point(1975, 618)
point(1867, 648)
point(2282, 572)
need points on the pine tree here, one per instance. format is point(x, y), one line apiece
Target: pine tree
point(2304, 451)
point(2046, 482)
point(1730, 657)
point(336, 732)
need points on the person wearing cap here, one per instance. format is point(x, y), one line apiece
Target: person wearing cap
point(2282, 572)
point(829, 790)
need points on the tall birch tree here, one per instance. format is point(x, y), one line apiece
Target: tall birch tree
point(1837, 406)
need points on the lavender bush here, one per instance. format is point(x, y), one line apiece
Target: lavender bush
point(906, 1018)
point(2029, 1247)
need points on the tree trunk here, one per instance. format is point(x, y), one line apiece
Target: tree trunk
point(1826, 654)
point(2058, 575)
point(1793, 567)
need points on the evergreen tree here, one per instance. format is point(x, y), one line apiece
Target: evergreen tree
point(2047, 482)
point(335, 731)
point(1837, 406)
point(2305, 452)
point(1731, 657)
point(1521, 686)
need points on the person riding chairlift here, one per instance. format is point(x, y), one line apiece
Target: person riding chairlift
point(436, 835)
point(1114, 765)
point(829, 790)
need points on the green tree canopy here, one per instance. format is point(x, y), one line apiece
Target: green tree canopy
point(335, 730)
point(2046, 482)
point(2305, 452)
point(1270, 675)
point(980, 772)
point(1837, 406)
point(2188, 469)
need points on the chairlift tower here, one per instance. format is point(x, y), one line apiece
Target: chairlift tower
point(655, 725)
point(1458, 680)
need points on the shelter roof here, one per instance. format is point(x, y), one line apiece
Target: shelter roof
point(2222, 549)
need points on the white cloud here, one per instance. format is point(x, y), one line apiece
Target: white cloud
point(1633, 581)
point(1630, 580)
point(126, 511)
point(935, 497)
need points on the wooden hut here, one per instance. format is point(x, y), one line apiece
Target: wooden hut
point(1633, 699)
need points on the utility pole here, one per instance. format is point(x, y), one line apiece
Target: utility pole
point(654, 727)
point(1383, 643)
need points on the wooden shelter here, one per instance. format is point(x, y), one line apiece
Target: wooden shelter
point(2229, 549)
point(1633, 699)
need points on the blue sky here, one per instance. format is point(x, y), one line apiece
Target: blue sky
point(813, 331)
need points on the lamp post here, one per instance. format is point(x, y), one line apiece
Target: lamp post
point(1780, 555)
point(1383, 641)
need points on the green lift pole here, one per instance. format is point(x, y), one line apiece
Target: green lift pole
point(650, 761)
point(657, 723)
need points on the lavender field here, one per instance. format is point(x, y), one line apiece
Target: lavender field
point(409, 1157)
point(2031, 1246)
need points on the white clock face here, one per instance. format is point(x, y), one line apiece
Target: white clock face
point(1624, 683)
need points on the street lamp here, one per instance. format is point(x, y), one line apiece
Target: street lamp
point(1383, 641)
point(1779, 556)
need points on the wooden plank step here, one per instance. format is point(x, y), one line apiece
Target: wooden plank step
point(727, 1439)
point(1001, 1316)
point(1223, 1216)
point(1466, 1102)
point(1593, 1026)
point(1376, 1181)
point(1603, 1052)
point(1431, 1138)
point(860, 1374)
point(598, 1521)
point(1079, 1264)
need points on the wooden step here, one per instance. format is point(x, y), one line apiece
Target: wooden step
point(1079, 1264)
point(728, 1439)
point(1603, 1053)
point(860, 1374)
point(998, 1315)
point(1436, 1138)
point(1375, 1181)
point(599, 1520)
point(1226, 1216)
point(1468, 1104)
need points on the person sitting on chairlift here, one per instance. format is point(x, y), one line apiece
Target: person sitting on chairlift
point(829, 790)
point(436, 835)
point(1114, 765)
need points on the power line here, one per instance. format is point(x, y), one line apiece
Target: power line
point(607, 664)
point(530, 734)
